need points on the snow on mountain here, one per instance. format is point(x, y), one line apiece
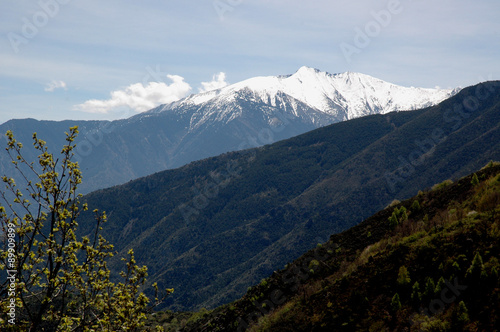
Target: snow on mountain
point(251, 113)
point(340, 97)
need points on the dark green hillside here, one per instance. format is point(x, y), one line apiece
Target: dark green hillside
point(430, 263)
point(145, 213)
point(52, 133)
point(214, 227)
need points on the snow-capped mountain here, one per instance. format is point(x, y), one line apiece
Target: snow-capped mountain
point(337, 97)
point(247, 114)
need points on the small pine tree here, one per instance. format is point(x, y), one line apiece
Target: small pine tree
point(475, 180)
point(396, 302)
point(439, 285)
point(430, 288)
point(460, 316)
point(398, 216)
point(415, 206)
point(463, 313)
point(393, 220)
point(476, 270)
point(403, 276)
point(416, 296)
point(404, 216)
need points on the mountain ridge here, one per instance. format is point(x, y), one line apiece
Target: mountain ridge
point(239, 116)
point(327, 93)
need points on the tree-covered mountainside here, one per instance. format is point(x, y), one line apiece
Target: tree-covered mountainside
point(429, 263)
point(214, 227)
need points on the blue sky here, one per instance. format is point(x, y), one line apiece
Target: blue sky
point(89, 59)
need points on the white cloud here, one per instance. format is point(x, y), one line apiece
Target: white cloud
point(55, 85)
point(140, 98)
point(218, 81)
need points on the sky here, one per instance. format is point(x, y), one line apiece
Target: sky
point(96, 60)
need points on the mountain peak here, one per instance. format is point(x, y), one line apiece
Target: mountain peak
point(339, 97)
point(306, 70)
